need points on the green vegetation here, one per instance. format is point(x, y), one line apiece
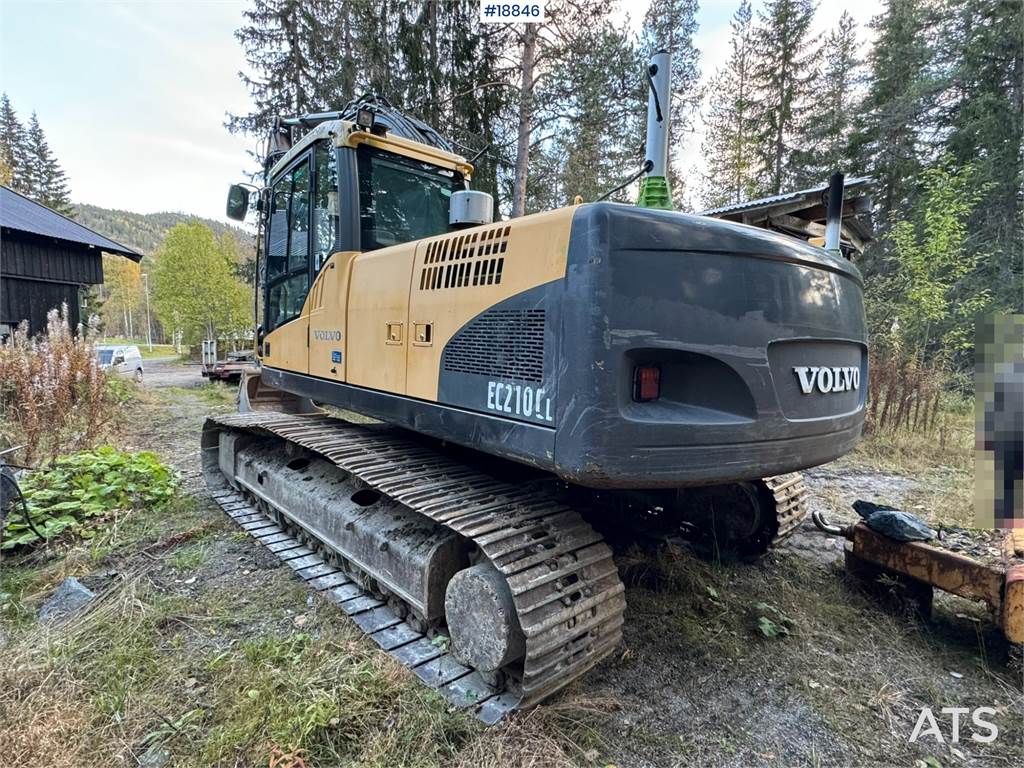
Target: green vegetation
point(71, 489)
point(210, 392)
point(145, 232)
point(158, 351)
point(27, 164)
point(195, 291)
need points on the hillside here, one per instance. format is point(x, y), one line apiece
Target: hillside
point(145, 231)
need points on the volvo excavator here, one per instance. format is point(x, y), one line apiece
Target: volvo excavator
point(535, 385)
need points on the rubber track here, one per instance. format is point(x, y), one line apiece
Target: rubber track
point(565, 586)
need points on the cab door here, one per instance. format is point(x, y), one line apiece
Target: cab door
point(286, 314)
point(328, 298)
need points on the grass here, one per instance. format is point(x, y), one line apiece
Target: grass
point(863, 671)
point(188, 558)
point(159, 350)
point(941, 462)
point(240, 666)
point(210, 392)
point(191, 675)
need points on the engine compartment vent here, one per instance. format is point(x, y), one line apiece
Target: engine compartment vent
point(461, 261)
point(501, 343)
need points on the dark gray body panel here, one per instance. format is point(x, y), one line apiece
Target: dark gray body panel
point(726, 312)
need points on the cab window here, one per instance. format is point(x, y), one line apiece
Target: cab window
point(325, 204)
point(401, 199)
point(288, 246)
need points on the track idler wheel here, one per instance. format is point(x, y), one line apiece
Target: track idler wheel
point(482, 620)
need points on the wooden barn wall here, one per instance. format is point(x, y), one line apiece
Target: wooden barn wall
point(25, 255)
point(32, 299)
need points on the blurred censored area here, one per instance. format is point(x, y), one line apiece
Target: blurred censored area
point(999, 392)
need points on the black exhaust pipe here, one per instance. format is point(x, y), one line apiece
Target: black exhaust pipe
point(834, 220)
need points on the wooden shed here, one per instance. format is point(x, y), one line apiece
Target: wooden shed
point(802, 214)
point(46, 260)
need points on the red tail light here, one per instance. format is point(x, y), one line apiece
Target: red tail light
point(646, 383)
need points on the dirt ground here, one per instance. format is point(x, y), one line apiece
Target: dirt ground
point(695, 682)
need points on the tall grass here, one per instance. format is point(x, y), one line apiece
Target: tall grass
point(904, 395)
point(53, 395)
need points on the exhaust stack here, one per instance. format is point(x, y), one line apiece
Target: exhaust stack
point(654, 191)
point(834, 217)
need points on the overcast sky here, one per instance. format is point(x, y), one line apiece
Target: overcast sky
point(132, 96)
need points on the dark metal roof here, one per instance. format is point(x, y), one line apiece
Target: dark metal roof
point(19, 213)
point(812, 194)
point(803, 213)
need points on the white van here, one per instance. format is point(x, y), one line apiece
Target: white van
point(121, 359)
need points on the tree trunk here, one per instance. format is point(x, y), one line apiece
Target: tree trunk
point(525, 122)
point(432, 83)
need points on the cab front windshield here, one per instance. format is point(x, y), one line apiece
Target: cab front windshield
point(401, 199)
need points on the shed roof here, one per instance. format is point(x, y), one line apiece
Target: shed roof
point(803, 213)
point(19, 213)
point(809, 195)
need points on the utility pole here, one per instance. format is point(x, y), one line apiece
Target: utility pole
point(149, 323)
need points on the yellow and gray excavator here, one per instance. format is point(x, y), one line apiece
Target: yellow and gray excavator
point(534, 384)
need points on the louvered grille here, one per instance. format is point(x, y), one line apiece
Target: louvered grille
point(465, 260)
point(503, 343)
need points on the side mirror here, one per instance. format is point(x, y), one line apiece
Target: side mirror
point(238, 202)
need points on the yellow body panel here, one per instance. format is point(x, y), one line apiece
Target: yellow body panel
point(328, 307)
point(535, 251)
point(390, 312)
point(378, 310)
point(289, 344)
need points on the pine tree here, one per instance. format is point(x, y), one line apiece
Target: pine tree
point(671, 25)
point(45, 179)
point(893, 121)
point(730, 128)
point(826, 135)
point(784, 74)
point(13, 146)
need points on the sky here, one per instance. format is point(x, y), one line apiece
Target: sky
point(133, 96)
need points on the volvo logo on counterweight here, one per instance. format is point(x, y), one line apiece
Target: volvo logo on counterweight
point(825, 379)
point(327, 335)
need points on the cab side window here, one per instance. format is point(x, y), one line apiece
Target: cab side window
point(288, 246)
point(325, 204)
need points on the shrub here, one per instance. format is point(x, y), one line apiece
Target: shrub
point(72, 489)
point(53, 395)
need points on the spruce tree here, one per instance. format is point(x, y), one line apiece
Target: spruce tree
point(982, 118)
point(289, 45)
point(671, 25)
point(784, 74)
point(46, 181)
point(604, 76)
point(893, 122)
point(730, 128)
point(13, 147)
point(825, 137)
